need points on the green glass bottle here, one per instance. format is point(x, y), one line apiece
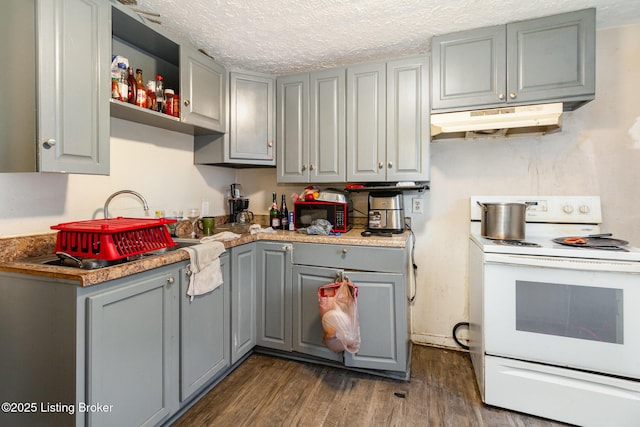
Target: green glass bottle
point(274, 214)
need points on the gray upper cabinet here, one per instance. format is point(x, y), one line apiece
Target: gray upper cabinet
point(292, 133)
point(252, 118)
point(549, 59)
point(250, 140)
point(203, 85)
point(198, 80)
point(57, 58)
point(407, 141)
point(388, 121)
point(311, 127)
point(366, 107)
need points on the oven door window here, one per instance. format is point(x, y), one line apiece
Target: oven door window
point(572, 311)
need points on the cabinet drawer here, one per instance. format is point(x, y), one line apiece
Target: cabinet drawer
point(348, 257)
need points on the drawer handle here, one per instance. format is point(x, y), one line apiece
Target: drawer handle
point(171, 280)
point(49, 143)
point(344, 251)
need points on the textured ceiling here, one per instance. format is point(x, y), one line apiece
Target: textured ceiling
point(286, 36)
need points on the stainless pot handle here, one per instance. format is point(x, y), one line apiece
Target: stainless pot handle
point(482, 205)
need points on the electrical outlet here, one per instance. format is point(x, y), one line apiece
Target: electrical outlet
point(417, 205)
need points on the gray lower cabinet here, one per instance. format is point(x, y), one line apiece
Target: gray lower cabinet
point(274, 295)
point(243, 300)
point(550, 59)
point(307, 323)
point(205, 338)
point(55, 111)
point(132, 341)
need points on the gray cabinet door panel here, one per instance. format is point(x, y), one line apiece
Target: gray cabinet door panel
point(408, 120)
point(383, 328)
point(132, 337)
point(205, 325)
point(327, 135)
point(203, 85)
point(252, 105)
point(551, 57)
point(243, 300)
point(292, 146)
point(74, 86)
point(366, 115)
point(307, 324)
point(469, 68)
point(274, 296)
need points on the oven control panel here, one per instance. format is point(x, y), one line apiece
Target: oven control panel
point(548, 209)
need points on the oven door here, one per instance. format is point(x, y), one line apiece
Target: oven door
point(567, 312)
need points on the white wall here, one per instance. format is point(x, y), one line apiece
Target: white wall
point(597, 153)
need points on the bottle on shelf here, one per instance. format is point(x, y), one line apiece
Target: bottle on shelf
point(159, 107)
point(284, 214)
point(151, 95)
point(168, 101)
point(131, 81)
point(123, 85)
point(141, 90)
point(274, 214)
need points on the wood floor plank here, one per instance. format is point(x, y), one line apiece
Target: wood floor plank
point(271, 391)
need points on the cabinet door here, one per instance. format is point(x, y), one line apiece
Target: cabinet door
point(274, 295)
point(292, 132)
point(408, 119)
point(382, 312)
point(366, 115)
point(203, 85)
point(252, 120)
point(327, 134)
point(205, 333)
point(551, 58)
point(243, 300)
point(307, 324)
point(74, 86)
point(469, 68)
point(131, 341)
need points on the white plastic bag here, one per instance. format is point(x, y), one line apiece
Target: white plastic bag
point(339, 314)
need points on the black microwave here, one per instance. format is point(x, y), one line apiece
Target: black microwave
point(339, 214)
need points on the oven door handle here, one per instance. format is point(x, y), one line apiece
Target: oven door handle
point(564, 263)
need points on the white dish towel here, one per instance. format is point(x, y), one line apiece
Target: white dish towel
point(206, 274)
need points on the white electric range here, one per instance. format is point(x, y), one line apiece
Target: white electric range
point(555, 329)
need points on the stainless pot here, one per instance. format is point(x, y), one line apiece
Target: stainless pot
point(504, 221)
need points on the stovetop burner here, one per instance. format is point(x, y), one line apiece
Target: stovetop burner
point(516, 243)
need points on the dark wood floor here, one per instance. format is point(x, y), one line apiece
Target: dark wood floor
point(270, 391)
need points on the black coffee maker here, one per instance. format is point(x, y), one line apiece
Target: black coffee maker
point(237, 204)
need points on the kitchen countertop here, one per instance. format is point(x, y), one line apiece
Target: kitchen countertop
point(15, 249)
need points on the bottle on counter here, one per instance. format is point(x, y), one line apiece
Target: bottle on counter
point(284, 214)
point(131, 81)
point(274, 214)
point(159, 107)
point(141, 90)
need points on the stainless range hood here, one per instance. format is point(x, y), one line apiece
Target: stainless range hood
point(505, 121)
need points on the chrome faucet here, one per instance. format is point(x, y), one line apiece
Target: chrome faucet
point(138, 195)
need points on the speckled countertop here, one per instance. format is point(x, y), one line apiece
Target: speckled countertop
point(14, 250)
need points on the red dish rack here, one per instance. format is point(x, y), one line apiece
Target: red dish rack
point(113, 238)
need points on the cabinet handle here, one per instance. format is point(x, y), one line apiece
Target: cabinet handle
point(344, 250)
point(311, 167)
point(512, 95)
point(171, 280)
point(270, 144)
point(390, 165)
point(501, 96)
point(187, 102)
point(286, 248)
point(304, 168)
point(49, 143)
point(380, 165)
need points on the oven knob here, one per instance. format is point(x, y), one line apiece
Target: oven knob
point(584, 209)
point(567, 209)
